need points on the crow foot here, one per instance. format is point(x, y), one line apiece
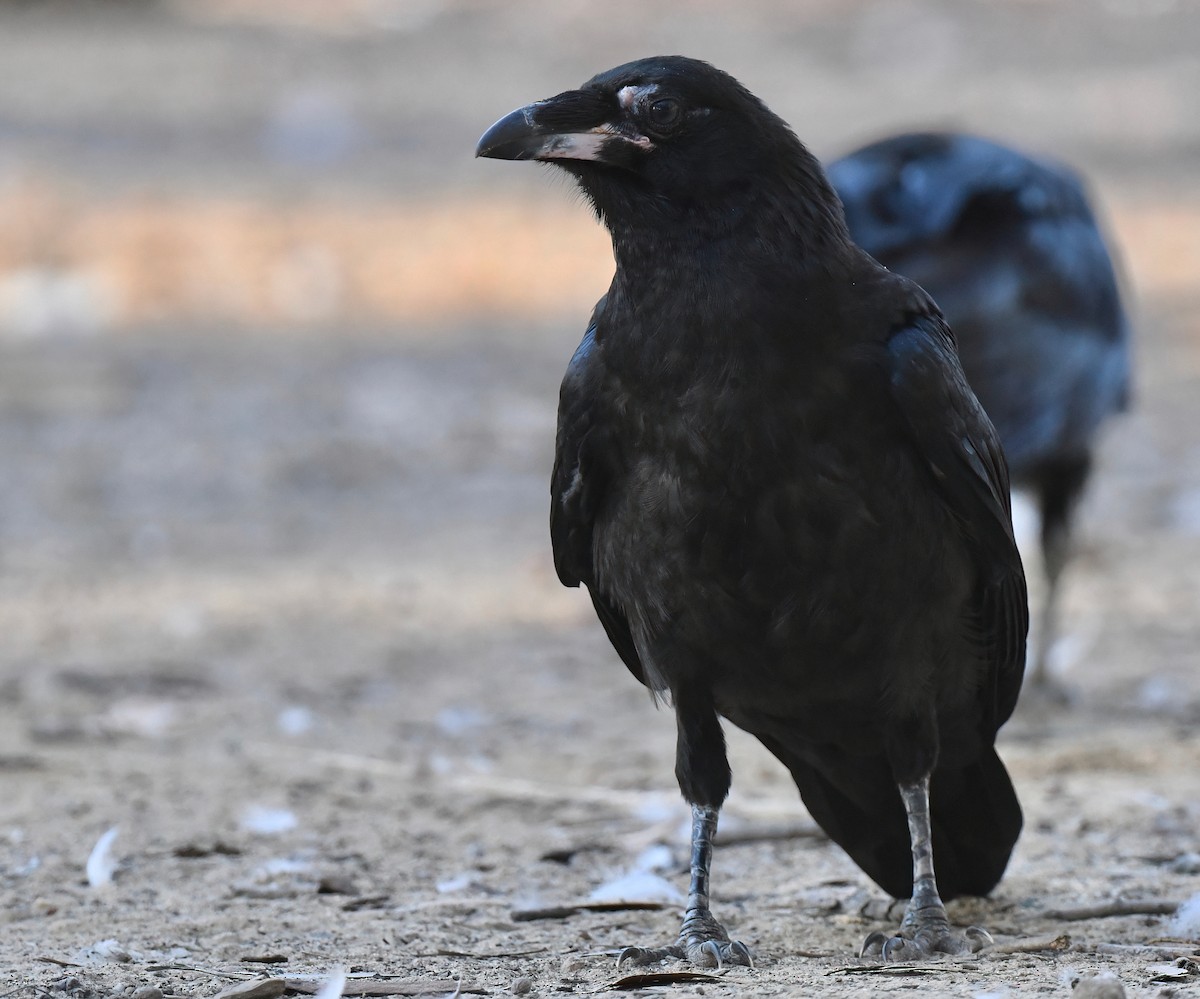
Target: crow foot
point(702, 942)
point(924, 934)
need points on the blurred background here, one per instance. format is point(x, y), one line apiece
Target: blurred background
point(256, 296)
point(278, 368)
point(259, 306)
point(281, 165)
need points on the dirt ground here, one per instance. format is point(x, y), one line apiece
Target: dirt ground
point(277, 600)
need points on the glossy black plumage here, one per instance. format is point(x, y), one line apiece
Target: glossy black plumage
point(1010, 249)
point(770, 475)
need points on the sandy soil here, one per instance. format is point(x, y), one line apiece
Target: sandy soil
point(278, 605)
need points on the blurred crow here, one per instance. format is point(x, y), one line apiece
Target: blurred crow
point(1009, 248)
point(785, 502)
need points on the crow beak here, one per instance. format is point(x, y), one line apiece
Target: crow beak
point(576, 125)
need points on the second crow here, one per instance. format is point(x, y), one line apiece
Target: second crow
point(1009, 247)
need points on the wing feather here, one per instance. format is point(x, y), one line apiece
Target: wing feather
point(950, 430)
point(578, 487)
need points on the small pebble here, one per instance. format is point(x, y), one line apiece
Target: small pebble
point(1104, 986)
point(110, 950)
point(147, 992)
point(337, 884)
point(521, 986)
point(1186, 863)
point(69, 984)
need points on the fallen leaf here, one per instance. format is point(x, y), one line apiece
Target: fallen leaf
point(366, 902)
point(258, 988)
point(653, 978)
point(190, 851)
point(1174, 971)
point(384, 987)
point(565, 911)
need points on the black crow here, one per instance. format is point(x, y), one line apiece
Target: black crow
point(1010, 250)
point(787, 506)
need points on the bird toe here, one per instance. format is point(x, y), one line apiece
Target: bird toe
point(873, 945)
point(924, 943)
point(718, 953)
point(640, 957)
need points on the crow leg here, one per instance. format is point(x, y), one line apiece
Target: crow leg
point(1061, 485)
point(926, 929)
point(702, 769)
point(1055, 551)
point(702, 940)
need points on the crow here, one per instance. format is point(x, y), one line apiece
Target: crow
point(1011, 251)
point(787, 506)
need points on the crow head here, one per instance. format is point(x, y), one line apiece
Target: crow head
point(662, 141)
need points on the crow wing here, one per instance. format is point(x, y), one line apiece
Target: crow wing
point(952, 434)
point(578, 487)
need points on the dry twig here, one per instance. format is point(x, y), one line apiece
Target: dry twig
point(1117, 907)
point(1033, 945)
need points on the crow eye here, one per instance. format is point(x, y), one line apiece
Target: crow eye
point(664, 112)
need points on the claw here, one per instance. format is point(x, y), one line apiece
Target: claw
point(875, 939)
point(709, 949)
point(978, 938)
point(640, 956)
point(739, 950)
point(893, 949)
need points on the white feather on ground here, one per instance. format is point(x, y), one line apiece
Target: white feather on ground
point(334, 985)
point(101, 864)
point(267, 821)
point(1186, 921)
point(637, 886)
